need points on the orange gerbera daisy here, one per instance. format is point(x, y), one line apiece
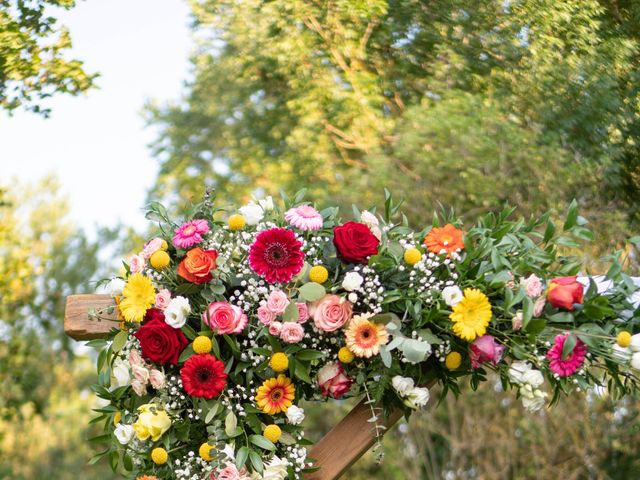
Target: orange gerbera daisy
point(147, 477)
point(365, 337)
point(447, 238)
point(276, 395)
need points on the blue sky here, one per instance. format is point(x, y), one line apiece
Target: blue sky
point(97, 144)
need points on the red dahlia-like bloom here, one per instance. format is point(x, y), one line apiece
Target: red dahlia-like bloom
point(203, 376)
point(276, 255)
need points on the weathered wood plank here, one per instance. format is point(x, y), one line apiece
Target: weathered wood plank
point(77, 324)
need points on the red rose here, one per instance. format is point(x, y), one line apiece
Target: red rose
point(160, 343)
point(355, 242)
point(197, 265)
point(565, 292)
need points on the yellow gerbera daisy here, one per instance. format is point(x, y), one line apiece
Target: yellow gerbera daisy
point(275, 395)
point(471, 315)
point(138, 296)
point(364, 337)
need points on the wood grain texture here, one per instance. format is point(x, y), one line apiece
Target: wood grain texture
point(77, 324)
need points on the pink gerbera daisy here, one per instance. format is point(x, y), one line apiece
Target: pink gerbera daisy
point(304, 217)
point(276, 255)
point(190, 233)
point(565, 367)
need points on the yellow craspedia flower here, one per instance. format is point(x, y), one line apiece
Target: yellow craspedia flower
point(272, 433)
point(202, 344)
point(453, 360)
point(117, 417)
point(412, 256)
point(152, 422)
point(471, 315)
point(236, 222)
point(137, 297)
point(205, 451)
point(159, 456)
point(275, 395)
point(318, 274)
point(279, 362)
point(345, 355)
point(160, 260)
point(624, 339)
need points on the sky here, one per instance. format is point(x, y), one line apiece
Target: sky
point(97, 143)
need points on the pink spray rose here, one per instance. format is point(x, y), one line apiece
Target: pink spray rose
point(532, 286)
point(485, 349)
point(333, 381)
point(139, 388)
point(303, 312)
point(223, 318)
point(151, 247)
point(331, 313)
point(163, 297)
point(229, 472)
point(291, 332)
point(135, 359)
point(275, 328)
point(157, 379)
point(277, 302)
point(538, 306)
point(140, 373)
point(265, 315)
point(136, 263)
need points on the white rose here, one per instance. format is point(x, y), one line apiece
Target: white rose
point(121, 373)
point(402, 385)
point(353, 297)
point(352, 281)
point(115, 286)
point(371, 221)
point(252, 213)
point(418, 397)
point(635, 361)
point(533, 378)
point(266, 203)
point(452, 295)
point(177, 311)
point(124, 433)
point(276, 469)
point(295, 415)
point(635, 343)
point(517, 370)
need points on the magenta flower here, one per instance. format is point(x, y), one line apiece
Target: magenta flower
point(190, 233)
point(565, 367)
point(485, 349)
point(304, 217)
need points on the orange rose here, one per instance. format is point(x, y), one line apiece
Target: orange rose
point(564, 292)
point(197, 265)
point(447, 239)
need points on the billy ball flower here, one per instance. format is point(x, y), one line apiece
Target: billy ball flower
point(279, 362)
point(364, 337)
point(160, 260)
point(159, 456)
point(236, 222)
point(623, 339)
point(276, 255)
point(202, 344)
point(318, 274)
point(345, 355)
point(203, 376)
point(471, 315)
point(412, 256)
point(205, 452)
point(275, 395)
point(453, 360)
point(272, 433)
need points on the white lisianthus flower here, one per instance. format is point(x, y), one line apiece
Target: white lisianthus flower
point(635, 360)
point(517, 371)
point(371, 221)
point(352, 281)
point(402, 385)
point(266, 203)
point(252, 213)
point(115, 286)
point(295, 415)
point(177, 312)
point(124, 433)
point(418, 397)
point(452, 295)
point(121, 373)
point(532, 400)
point(276, 469)
point(533, 378)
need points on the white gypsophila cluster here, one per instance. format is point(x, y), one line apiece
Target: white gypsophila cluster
point(176, 397)
point(235, 395)
point(442, 350)
point(254, 359)
point(370, 293)
point(192, 467)
point(424, 276)
point(313, 249)
point(297, 457)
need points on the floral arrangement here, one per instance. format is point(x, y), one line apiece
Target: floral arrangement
point(230, 318)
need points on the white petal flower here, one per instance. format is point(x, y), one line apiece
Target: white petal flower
point(115, 286)
point(517, 370)
point(402, 385)
point(635, 361)
point(121, 373)
point(352, 281)
point(252, 213)
point(124, 433)
point(295, 415)
point(452, 295)
point(266, 203)
point(177, 312)
point(418, 397)
point(635, 343)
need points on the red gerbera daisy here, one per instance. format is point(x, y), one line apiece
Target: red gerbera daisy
point(276, 255)
point(203, 376)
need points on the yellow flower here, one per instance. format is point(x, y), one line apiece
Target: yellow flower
point(152, 422)
point(160, 260)
point(236, 222)
point(138, 296)
point(453, 360)
point(412, 256)
point(318, 274)
point(471, 315)
point(202, 344)
point(275, 395)
point(345, 355)
point(624, 339)
point(364, 337)
point(159, 456)
point(205, 451)
point(164, 246)
point(272, 433)
point(117, 417)
point(279, 362)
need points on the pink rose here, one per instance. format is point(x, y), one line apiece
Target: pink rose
point(275, 328)
point(485, 349)
point(331, 313)
point(135, 359)
point(157, 379)
point(303, 312)
point(532, 286)
point(277, 302)
point(516, 321)
point(140, 373)
point(538, 307)
point(230, 472)
point(223, 318)
point(151, 247)
point(332, 380)
point(139, 387)
point(163, 297)
point(291, 332)
point(265, 315)
point(136, 263)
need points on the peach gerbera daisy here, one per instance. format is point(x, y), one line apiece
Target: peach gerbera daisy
point(147, 477)
point(364, 337)
point(276, 395)
point(446, 239)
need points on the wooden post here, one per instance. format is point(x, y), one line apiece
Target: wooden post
point(334, 453)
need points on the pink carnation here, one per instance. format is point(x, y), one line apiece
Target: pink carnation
point(303, 312)
point(485, 349)
point(277, 302)
point(291, 332)
point(151, 247)
point(190, 233)
point(265, 315)
point(163, 297)
point(223, 318)
point(565, 367)
point(304, 217)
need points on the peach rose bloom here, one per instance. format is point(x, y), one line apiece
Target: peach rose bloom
point(331, 313)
